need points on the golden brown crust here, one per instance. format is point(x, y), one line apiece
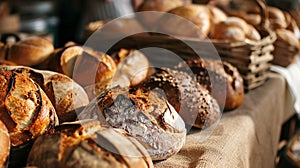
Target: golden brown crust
point(132, 67)
point(277, 18)
point(4, 145)
point(86, 144)
point(200, 15)
point(31, 51)
point(145, 115)
point(25, 109)
point(65, 94)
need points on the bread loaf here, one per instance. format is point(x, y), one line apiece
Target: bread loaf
point(86, 144)
point(234, 29)
point(65, 94)
point(221, 79)
point(4, 145)
point(30, 51)
point(144, 114)
point(25, 109)
point(197, 14)
point(132, 67)
point(191, 100)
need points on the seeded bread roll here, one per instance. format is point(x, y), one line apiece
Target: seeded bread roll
point(221, 79)
point(191, 100)
point(145, 115)
point(66, 95)
point(31, 51)
point(86, 144)
point(4, 145)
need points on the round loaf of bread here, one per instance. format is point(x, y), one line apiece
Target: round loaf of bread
point(144, 114)
point(132, 67)
point(94, 71)
point(221, 79)
point(30, 51)
point(4, 145)
point(191, 100)
point(199, 15)
point(66, 95)
point(86, 144)
point(217, 15)
point(25, 109)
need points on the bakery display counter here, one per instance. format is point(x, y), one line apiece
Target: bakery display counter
point(245, 137)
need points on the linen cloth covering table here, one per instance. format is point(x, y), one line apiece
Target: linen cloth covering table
point(244, 138)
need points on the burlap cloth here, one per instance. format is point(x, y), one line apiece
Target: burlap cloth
point(244, 138)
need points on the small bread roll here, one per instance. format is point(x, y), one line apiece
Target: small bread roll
point(253, 34)
point(132, 68)
point(144, 114)
point(191, 100)
point(217, 15)
point(66, 95)
point(288, 38)
point(197, 14)
point(31, 51)
point(277, 18)
point(86, 144)
point(4, 145)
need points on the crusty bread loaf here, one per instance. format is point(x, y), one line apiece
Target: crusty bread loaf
point(234, 29)
point(221, 79)
point(31, 51)
point(94, 71)
point(4, 145)
point(191, 100)
point(144, 114)
point(199, 15)
point(87, 144)
point(132, 67)
point(65, 94)
point(25, 109)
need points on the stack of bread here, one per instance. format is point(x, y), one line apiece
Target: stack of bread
point(279, 21)
point(72, 106)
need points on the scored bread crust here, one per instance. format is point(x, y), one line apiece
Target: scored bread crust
point(31, 51)
point(66, 95)
point(191, 100)
point(86, 144)
point(145, 115)
point(24, 108)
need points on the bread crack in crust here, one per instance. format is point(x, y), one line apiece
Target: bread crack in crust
point(24, 108)
point(143, 114)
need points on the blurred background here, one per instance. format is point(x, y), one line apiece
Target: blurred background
point(65, 20)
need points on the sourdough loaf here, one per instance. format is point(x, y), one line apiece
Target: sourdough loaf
point(86, 144)
point(144, 114)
